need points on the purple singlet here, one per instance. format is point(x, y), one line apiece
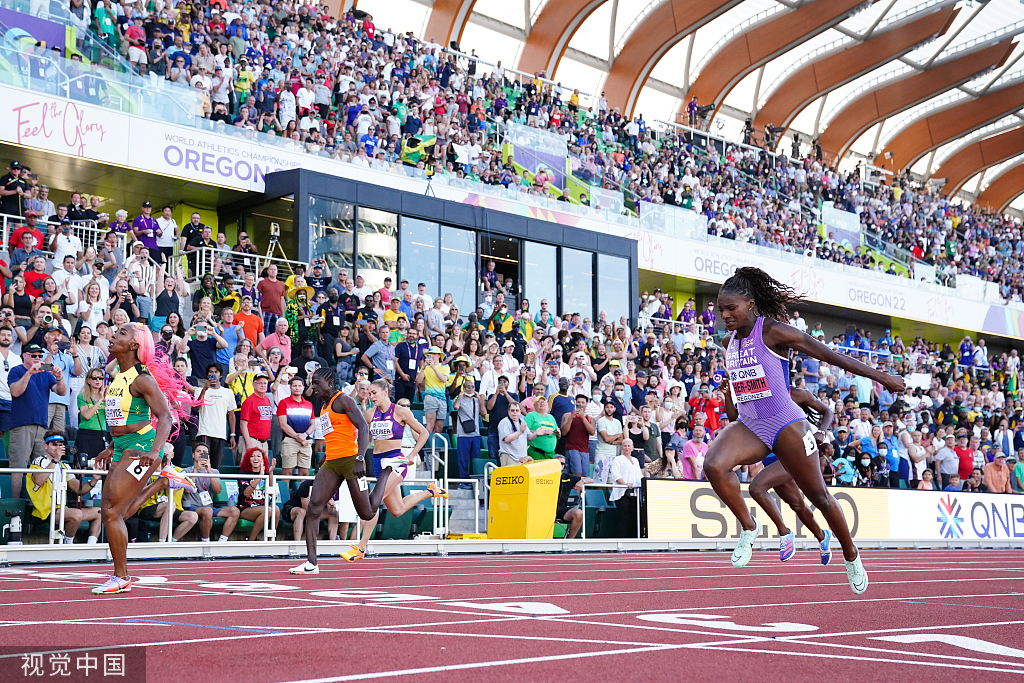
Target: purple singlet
point(760, 386)
point(384, 426)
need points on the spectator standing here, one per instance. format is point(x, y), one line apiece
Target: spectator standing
point(8, 361)
point(577, 427)
point(469, 407)
point(273, 301)
point(295, 416)
point(609, 437)
point(514, 436)
point(257, 415)
point(997, 475)
point(947, 461)
point(216, 414)
point(30, 386)
point(626, 473)
point(70, 367)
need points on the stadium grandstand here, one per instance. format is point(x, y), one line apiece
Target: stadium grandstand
point(425, 284)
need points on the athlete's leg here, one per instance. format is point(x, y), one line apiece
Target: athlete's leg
point(758, 489)
point(792, 453)
point(790, 492)
point(120, 491)
point(366, 505)
point(366, 528)
point(735, 445)
point(325, 484)
point(396, 504)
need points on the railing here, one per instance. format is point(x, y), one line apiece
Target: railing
point(520, 74)
point(888, 21)
point(1003, 124)
point(1011, 30)
point(875, 241)
point(215, 261)
point(88, 231)
point(640, 16)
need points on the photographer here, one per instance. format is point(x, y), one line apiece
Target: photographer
point(30, 384)
point(54, 449)
point(70, 365)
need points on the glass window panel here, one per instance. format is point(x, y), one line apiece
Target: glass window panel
point(577, 282)
point(378, 247)
point(540, 276)
point(420, 253)
point(458, 268)
point(330, 232)
point(613, 286)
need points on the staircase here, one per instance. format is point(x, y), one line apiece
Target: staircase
point(464, 508)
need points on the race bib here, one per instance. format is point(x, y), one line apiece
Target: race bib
point(412, 363)
point(115, 416)
point(323, 426)
point(138, 470)
point(205, 498)
point(162, 498)
point(810, 446)
point(362, 484)
point(749, 383)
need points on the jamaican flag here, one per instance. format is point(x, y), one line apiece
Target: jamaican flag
point(418, 148)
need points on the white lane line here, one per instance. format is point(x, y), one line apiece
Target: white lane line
point(916, 653)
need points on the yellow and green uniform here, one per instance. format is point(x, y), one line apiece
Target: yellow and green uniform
point(123, 409)
point(433, 385)
point(542, 447)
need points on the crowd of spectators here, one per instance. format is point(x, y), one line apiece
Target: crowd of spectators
point(348, 89)
point(543, 384)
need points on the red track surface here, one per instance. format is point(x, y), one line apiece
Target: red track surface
point(958, 615)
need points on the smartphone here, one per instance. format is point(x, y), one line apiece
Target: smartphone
point(63, 346)
point(48, 367)
point(201, 329)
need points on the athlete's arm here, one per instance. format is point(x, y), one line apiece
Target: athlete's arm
point(785, 337)
point(146, 388)
point(806, 399)
point(344, 404)
point(405, 416)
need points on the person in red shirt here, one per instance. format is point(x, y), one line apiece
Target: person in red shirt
point(965, 454)
point(34, 277)
point(257, 414)
point(712, 407)
point(272, 292)
point(30, 226)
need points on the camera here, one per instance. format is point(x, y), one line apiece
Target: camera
point(48, 319)
point(63, 346)
point(275, 231)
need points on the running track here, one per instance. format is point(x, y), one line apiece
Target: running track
point(928, 615)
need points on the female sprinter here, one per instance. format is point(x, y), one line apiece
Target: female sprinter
point(752, 304)
point(774, 475)
point(388, 422)
point(140, 420)
point(342, 430)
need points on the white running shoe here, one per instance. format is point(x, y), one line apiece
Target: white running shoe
point(305, 568)
point(744, 548)
point(857, 575)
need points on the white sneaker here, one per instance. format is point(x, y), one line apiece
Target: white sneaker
point(305, 568)
point(857, 575)
point(744, 547)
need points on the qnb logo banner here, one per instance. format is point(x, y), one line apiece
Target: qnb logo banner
point(686, 509)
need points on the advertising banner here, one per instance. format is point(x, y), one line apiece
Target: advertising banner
point(843, 225)
point(25, 28)
point(692, 510)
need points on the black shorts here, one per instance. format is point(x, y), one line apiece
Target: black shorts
point(149, 513)
point(560, 514)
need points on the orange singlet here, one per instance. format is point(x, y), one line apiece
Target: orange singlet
point(338, 432)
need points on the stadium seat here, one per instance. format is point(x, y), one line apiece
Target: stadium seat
point(561, 530)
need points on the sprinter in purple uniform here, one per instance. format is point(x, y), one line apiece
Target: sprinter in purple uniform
point(752, 305)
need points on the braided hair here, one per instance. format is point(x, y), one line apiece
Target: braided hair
point(771, 297)
point(327, 375)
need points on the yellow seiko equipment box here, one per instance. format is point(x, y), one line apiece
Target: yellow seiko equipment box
point(523, 500)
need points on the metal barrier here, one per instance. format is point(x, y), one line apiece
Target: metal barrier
point(207, 257)
point(88, 231)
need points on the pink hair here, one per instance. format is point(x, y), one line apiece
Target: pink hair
point(170, 382)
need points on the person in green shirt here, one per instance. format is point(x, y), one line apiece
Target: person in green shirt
point(541, 423)
point(1018, 471)
point(92, 418)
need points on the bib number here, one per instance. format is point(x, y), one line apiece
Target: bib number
point(362, 484)
point(115, 416)
point(749, 383)
point(138, 470)
point(810, 446)
point(205, 498)
point(323, 426)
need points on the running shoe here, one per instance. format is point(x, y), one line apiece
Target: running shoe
point(353, 553)
point(305, 568)
point(113, 584)
point(744, 548)
point(177, 480)
point(787, 547)
point(826, 550)
point(857, 576)
point(436, 491)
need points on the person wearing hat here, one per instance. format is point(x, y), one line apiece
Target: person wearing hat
point(54, 447)
point(12, 190)
point(145, 228)
point(299, 311)
point(31, 218)
point(308, 361)
point(435, 377)
point(257, 414)
point(996, 475)
point(31, 385)
point(469, 406)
